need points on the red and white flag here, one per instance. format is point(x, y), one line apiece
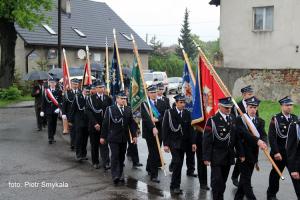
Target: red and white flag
point(87, 76)
point(66, 74)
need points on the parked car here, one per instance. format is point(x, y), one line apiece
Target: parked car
point(175, 84)
point(155, 78)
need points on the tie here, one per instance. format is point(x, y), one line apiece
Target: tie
point(180, 113)
point(122, 110)
point(253, 120)
point(155, 103)
point(227, 119)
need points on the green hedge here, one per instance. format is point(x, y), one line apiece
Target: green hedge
point(11, 93)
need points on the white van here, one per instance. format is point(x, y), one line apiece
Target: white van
point(155, 78)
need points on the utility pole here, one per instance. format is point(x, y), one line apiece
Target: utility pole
point(59, 34)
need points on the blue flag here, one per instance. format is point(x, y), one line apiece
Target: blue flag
point(155, 112)
point(197, 114)
point(188, 88)
point(115, 76)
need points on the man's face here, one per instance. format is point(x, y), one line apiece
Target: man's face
point(100, 90)
point(52, 84)
point(180, 105)
point(287, 108)
point(160, 92)
point(247, 95)
point(225, 110)
point(152, 95)
point(121, 101)
point(252, 110)
point(75, 86)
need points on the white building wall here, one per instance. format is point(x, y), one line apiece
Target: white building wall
point(244, 48)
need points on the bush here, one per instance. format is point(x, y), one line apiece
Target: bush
point(11, 93)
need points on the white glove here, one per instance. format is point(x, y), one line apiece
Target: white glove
point(64, 117)
point(42, 114)
point(56, 111)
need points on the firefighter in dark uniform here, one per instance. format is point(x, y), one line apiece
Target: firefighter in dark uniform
point(293, 155)
point(50, 110)
point(117, 124)
point(219, 140)
point(96, 107)
point(79, 119)
point(150, 130)
point(37, 92)
point(247, 92)
point(68, 100)
point(249, 148)
point(279, 126)
point(179, 137)
point(160, 94)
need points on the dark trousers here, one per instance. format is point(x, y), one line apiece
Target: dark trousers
point(51, 121)
point(236, 169)
point(96, 146)
point(177, 159)
point(153, 161)
point(274, 179)
point(190, 157)
point(201, 167)
point(245, 188)
point(118, 151)
point(219, 175)
point(133, 152)
point(81, 139)
point(39, 119)
point(72, 135)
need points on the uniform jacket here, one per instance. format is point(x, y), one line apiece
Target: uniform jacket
point(116, 126)
point(47, 106)
point(277, 136)
point(293, 148)
point(216, 148)
point(174, 137)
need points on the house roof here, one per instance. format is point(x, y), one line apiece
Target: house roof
point(95, 19)
point(215, 2)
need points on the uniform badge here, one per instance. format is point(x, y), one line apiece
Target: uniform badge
point(221, 134)
point(284, 127)
point(224, 129)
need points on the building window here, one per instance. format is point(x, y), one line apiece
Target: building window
point(80, 33)
point(49, 29)
point(263, 18)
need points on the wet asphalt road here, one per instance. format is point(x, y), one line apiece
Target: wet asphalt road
point(27, 158)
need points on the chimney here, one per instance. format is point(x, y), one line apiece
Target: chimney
point(66, 7)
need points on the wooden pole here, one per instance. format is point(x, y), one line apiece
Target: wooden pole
point(107, 68)
point(118, 60)
point(135, 49)
point(227, 93)
point(187, 60)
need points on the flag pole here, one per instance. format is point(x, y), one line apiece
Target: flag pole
point(107, 67)
point(118, 59)
point(186, 59)
point(225, 89)
point(135, 50)
point(67, 67)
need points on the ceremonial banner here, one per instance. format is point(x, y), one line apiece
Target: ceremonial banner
point(188, 88)
point(115, 76)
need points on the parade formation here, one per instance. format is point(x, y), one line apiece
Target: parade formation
point(103, 112)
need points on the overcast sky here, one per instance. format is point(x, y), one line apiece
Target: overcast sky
point(163, 18)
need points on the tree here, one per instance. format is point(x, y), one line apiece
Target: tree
point(156, 45)
point(24, 13)
point(186, 38)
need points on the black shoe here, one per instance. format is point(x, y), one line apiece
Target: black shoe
point(155, 180)
point(272, 198)
point(39, 129)
point(122, 179)
point(107, 167)
point(204, 187)
point(50, 142)
point(116, 181)
point(176, 191)
point(192, 175)
point(96, 166)
point(84, 158)
point(72, 148)
point(235, 182)
point(137, 164)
